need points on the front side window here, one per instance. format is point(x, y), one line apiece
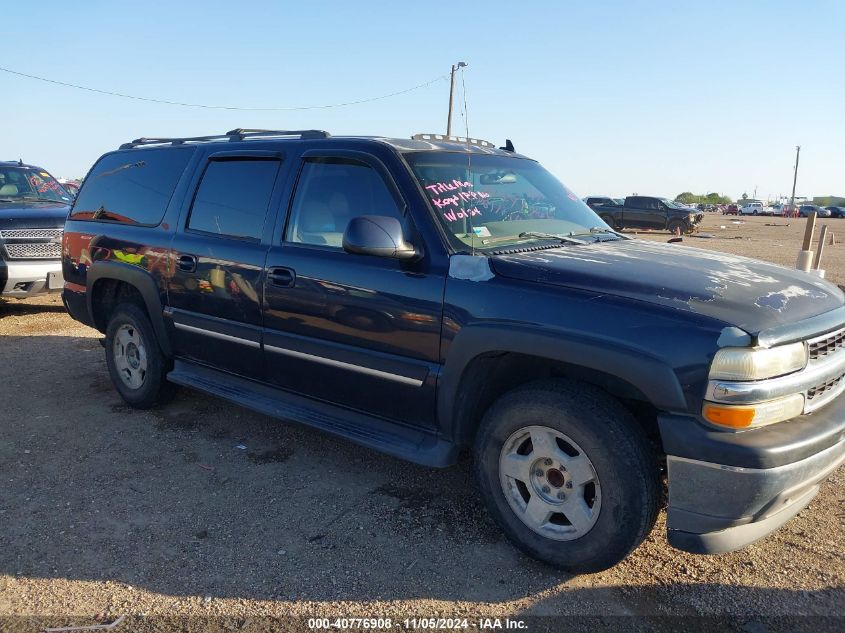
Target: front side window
point(672, 204)
point(493, 202)
point(18, 183)
point(332, 191)
point(233, 197)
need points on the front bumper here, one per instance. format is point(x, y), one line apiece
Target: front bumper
point(763, 478)
point(27, 278)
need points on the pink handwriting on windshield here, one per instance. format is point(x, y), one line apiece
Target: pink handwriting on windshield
point(458, 197)
point(453, 216)
point(445, 187)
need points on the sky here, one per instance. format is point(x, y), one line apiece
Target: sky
point(612, 97)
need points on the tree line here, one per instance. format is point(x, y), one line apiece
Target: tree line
point(687, 197)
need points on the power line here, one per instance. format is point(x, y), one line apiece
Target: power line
point(222, 107)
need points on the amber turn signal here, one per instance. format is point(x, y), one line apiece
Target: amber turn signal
point(753, 415)
point(732, 417)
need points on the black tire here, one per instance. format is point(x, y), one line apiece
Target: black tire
point(622, 458)
point(677, 224)
point(608, 220)
point(154, 387)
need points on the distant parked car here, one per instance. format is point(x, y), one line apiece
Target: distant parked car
point(836, 212)
point(732, 210)
point(751, 208)
point(646, 212)
point(806, 209)
point(71, 186)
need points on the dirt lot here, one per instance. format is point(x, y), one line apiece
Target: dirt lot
point(107, 511)
point(773, 239)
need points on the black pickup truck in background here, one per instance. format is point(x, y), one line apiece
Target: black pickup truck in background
point(647, 212)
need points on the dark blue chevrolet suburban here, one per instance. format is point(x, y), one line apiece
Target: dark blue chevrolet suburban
point(435, 294)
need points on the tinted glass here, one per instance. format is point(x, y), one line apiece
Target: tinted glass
point(329, 194)
point(233, 197)
point(134, 187)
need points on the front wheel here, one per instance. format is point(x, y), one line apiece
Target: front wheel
point(679, 227)
point(137, 367)
point(567, 474)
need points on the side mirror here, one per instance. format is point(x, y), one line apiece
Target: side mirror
point(378, 235)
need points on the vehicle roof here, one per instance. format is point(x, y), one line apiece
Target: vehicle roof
point(17, 163)
point(418, 143)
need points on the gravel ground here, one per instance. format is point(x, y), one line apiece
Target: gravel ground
point(774, 239)
point(108, 511)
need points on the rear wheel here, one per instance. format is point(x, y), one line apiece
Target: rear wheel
point(137, 367)
point(567, 474)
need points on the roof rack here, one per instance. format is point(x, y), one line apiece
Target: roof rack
point(238, 134)
point(440, 138)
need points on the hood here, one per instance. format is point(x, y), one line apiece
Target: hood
point(32, 215)
point(738, 291)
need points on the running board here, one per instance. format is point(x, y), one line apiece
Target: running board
point(410, 444)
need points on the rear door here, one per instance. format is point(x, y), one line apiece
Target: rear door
point(355, 330)
point(218, 253)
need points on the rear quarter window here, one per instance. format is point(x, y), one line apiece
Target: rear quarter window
point(131, 187)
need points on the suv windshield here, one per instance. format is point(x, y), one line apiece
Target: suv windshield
point(491, 202)
point(27, 183)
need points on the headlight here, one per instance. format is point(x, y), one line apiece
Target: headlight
point(743, 363)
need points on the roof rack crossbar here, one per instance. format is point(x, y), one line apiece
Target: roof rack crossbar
point(238, 134)
point(439, 138)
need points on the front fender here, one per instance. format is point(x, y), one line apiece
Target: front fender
point(648, 374)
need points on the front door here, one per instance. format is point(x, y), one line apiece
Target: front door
point(218, 256)
point(642, 213)
point(356, 330)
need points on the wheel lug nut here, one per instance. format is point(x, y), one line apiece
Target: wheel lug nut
point(561, 495)
point(546, 489)
point(569, 484)
point(539, 473)
point(547, 462)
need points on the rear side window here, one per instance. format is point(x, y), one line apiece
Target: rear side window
point(132, 187)
point(233, 197)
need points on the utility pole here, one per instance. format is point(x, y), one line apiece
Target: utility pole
point(451, 96)
point(794, 179)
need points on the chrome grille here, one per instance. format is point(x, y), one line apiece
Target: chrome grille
point(43, 250)
point(824, 346)
point(825, 387)
point(33, 234)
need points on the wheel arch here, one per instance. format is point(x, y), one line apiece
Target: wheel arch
point(485, 362)
point(110, 279)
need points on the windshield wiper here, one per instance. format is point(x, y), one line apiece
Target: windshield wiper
point(568, 239)
point(596, 230)
point(41, 198)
